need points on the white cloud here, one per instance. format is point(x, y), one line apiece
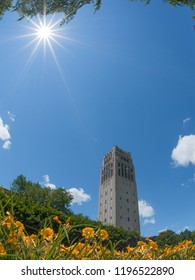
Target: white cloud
point(11, 116)
point(186, 120)
point(149, 221)
point(6, 145)
point(79, 195)
point(184, 153)
point(145, 209)
point(47, 183)
point(4, 131)
point(5, 135)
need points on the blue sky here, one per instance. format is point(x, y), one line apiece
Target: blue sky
point(124, 76)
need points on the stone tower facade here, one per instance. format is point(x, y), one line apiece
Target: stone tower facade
point(118, 201)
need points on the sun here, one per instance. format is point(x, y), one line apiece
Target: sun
point(44, 32)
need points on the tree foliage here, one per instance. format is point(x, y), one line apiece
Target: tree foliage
point(58, 198)
point(168, 237)
point(30, 8)
point(69, 8)
point(20, 184)
point(5, 5)
point(122, 238)
point(32, 214)
point(171, 238)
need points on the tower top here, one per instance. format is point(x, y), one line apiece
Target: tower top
point(117, 153)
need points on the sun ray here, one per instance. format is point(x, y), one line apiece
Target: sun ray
point(41, 32)
point(29, 61)
point(46, 32)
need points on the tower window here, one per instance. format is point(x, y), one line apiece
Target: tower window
point(125, 172)
point(122, 171)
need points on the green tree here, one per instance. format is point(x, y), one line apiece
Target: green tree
point(58, 198)
point(5, 5)
point(185, 235)
point(33, 215)
point(122, 238)
point(168, 237)
point(30, 8)
point(193, 236)
point(19, 184)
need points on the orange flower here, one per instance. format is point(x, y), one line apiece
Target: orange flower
point(88, 232)
point(13, 238)
point(56, 219)
point(117, 253)
point(129, 249)
point(2, 250)
point(47, 234)
point(8, 221)
point(141, 243)
point(103, 234)
point(76, 248)
point(153, 246)
point(185, 243)
point(19, 225)
point(148, 256)
point(31, 240)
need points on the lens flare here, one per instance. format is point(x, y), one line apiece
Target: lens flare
point(44, 32)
